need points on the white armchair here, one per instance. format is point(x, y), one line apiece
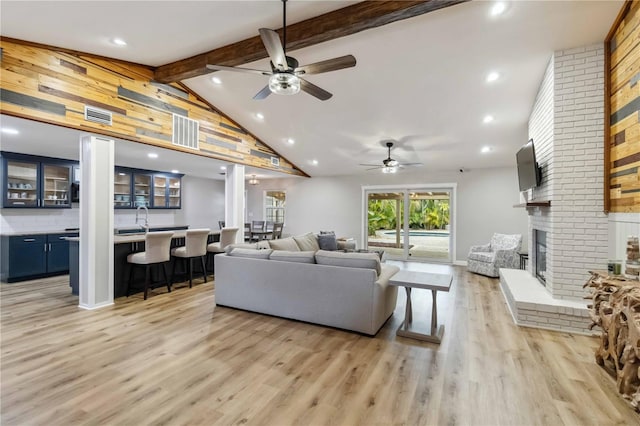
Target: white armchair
point(501, 252)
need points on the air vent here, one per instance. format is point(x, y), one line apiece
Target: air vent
point(97, 115)
point(185, 132)
point(275, 161)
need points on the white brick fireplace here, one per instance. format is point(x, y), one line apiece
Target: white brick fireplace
point(567, 128)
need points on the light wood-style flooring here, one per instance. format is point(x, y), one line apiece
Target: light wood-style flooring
point(177, 359)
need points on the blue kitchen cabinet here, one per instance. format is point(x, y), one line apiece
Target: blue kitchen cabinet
point(57, 253)
point(34, 256)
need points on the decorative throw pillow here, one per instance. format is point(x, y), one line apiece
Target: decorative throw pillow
point(327, 233)
point(284, 244)
point(327, 242)
point(254, 254)
point(293, 256)
point(307, 242)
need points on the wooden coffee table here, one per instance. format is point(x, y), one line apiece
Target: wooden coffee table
point(429, 281)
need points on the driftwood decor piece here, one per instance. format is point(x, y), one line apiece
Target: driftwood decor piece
point(616, 309)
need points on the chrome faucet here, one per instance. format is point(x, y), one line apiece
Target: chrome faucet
point(144, 227)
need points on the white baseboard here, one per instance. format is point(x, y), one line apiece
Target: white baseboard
point(460, 262)
point(91, 308)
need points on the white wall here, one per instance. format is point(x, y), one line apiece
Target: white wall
point(202, 206)
point(202, 202)
point(485, 203)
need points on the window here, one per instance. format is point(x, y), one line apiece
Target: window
point(274, 203)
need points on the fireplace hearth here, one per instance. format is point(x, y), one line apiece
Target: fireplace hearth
point(540, 259)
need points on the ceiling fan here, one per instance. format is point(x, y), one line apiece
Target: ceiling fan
point(389, 165)
point(285, 71)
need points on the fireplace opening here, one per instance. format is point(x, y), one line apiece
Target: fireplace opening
point(540, 241)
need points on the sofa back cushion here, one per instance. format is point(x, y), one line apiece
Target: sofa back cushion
point(288, 244)
point(293, 256)
point(230, 247)
point(252, 253)
point(506, 242)
point(307, 242)
point(349, 260)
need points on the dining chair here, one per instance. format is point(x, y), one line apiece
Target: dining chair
point(247, 232)
point(277, 231)
point(257, 229)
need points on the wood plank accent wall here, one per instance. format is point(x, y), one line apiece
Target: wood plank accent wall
point(622, 106)
point(52, 85)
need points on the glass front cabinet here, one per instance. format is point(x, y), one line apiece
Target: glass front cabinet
point(166, 191)
point(32, 182)
point(42, 182)
point(154, 190)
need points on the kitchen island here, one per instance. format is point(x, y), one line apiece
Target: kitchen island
point(123, 246)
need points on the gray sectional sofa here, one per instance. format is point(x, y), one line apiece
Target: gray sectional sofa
point(344, 290)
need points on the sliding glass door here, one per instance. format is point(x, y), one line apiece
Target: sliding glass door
point(411, 223)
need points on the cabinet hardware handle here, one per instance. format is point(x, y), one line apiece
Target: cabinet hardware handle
point(29, 240)
point(45, 246)
point(49, 246)
point(20, 203)
point(61, 238)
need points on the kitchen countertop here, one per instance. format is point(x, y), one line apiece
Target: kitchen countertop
point(139, 238)
point(53, 231)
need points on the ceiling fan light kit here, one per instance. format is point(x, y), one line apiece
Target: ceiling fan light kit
point(284, 77)
point(284, 84)
point(253, 180)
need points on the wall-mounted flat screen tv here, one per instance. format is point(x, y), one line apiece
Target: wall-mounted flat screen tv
point(528, 171)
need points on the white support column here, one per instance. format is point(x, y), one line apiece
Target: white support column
point(234, 199)
point(96, 222)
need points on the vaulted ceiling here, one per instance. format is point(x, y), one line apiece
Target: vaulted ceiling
point(419, 81)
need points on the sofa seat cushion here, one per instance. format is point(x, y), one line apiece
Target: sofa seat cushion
point(482, 256)
point(288, 244)
point(307, 242)
point(293, 256)
point(349, 260)
point(252, 253)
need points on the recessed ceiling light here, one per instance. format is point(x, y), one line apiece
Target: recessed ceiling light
point(291, 141)
point(485, 149)
point(223, 167)
point(119, 42)
point(121, 174)
point(152, 155)
point(487, 119)
point(492, 76)
point(9, 131)
point(175, 171)
point(314, 162)
point(259, 116)
point(498, 8)
point(216, 80)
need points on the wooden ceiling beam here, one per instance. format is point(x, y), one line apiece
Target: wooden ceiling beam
point(339, 23)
